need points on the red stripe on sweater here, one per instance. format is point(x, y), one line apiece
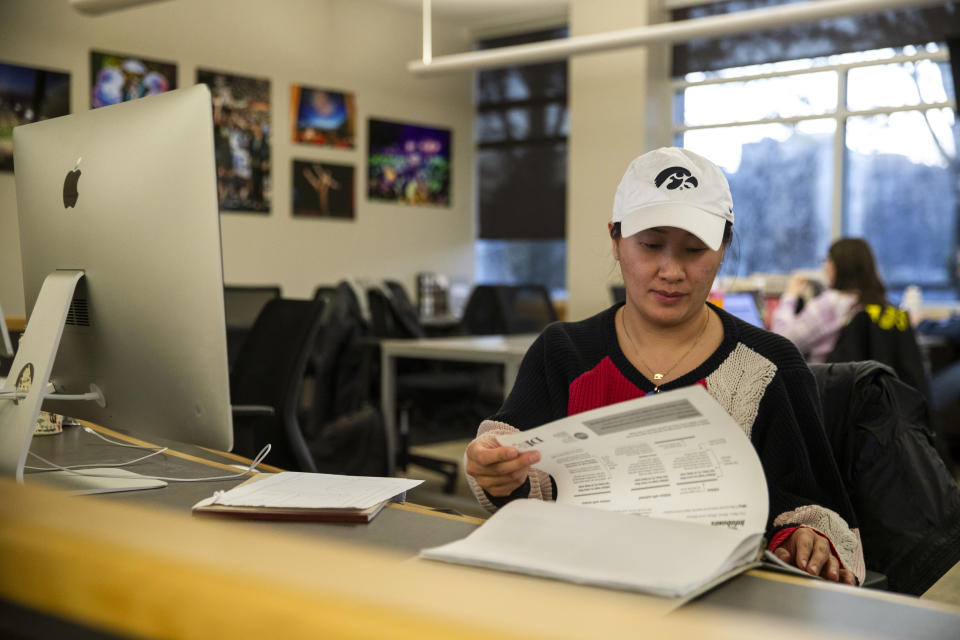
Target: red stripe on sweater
point(601, 386)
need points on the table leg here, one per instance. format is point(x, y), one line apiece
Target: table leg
point(388, 404)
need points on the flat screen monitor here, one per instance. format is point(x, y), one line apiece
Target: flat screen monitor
point(127, 194)
point(743, 304)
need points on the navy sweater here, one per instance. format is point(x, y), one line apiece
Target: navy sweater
point(758, 377)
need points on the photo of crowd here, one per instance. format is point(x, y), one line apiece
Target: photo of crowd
point(241, 129)
point(408, 163)
point(322, 190)
point(117, 77)
point(323, 117)
point(28, 94)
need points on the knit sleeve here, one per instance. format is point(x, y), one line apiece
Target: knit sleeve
point(538, 485)
point(803, 481)
point(539, 395)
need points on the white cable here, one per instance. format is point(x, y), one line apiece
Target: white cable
point(55, 467)
point(118, 443)
point(250, 469)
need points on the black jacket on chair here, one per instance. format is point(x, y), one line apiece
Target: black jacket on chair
point(906, 502)
point(883, 334)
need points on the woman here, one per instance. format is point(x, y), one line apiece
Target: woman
point(672, 220)
point(853, 283)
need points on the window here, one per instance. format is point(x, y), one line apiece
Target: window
point(521, 135)
point(861, 144)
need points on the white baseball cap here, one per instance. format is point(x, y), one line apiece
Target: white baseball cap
point(673, 187)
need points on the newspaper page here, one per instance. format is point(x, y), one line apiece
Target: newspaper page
point(676, 455)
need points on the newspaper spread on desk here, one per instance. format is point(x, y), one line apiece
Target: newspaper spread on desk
point(676, 458)
point(676, 455)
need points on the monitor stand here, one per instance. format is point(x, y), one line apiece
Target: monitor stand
point(30, 372)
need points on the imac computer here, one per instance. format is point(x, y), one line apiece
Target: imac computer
point(122, 274)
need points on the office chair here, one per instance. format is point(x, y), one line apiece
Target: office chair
point(393, 316)
point(325, 291)
point(343, 427)
point(618, 292)
point(242, 305)
point(884, 334)
point(267, 378)
point(906, 501)
point(508, 309)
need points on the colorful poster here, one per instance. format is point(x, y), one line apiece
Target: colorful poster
point(322, 190)
point(241, 131)
point(408, 163)
point(118, 77)
point(322, 116)
point(27, 95)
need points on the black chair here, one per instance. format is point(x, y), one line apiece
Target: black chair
point(343, 426)
point(446, 393)
point(906, 501)
point(267, 378)
point(508, 309)
point(325, 291)
point(883, 334)
point(242, 305)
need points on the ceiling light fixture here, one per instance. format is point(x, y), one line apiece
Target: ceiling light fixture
point(679, 31)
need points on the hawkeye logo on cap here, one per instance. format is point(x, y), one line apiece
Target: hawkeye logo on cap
point(679, 178)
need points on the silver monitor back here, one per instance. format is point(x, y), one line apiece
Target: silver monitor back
point(147, 323)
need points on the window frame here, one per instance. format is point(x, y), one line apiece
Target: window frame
point(840, 115)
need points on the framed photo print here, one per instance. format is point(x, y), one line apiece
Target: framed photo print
point(118, 77)
point(408, 163)
point(322, 190)
point(323, 116)
point(241, 133)
point(28, 94)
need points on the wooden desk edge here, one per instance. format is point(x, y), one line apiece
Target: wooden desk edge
point(149, 572)
point(941, 596)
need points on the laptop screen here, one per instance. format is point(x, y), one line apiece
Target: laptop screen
point(744, 306)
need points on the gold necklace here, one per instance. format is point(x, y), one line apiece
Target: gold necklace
point(657, 377)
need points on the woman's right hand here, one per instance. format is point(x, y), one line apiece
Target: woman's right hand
point(796, 286)
point(499, 470)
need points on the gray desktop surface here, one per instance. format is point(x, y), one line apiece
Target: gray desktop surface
point(835, 611)
point(800, 603)
point(395, 529)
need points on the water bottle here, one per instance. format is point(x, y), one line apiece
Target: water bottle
point(912, 303)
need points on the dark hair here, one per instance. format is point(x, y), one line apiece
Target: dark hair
point(615, 232)
point(856, 270)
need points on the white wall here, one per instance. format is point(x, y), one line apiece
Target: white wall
point(351, 45)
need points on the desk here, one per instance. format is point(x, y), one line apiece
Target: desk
point(138, 563)
point(505, 350)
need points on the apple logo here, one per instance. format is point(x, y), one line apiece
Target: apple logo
point(70, 192)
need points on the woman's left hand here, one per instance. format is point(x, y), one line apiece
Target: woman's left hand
point(811, 552)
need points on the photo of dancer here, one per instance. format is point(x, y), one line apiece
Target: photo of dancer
point(28, 94)
point(241, 131)
point(118, 77)
point(408, 163)
point(322, 190)
point(322, 116)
